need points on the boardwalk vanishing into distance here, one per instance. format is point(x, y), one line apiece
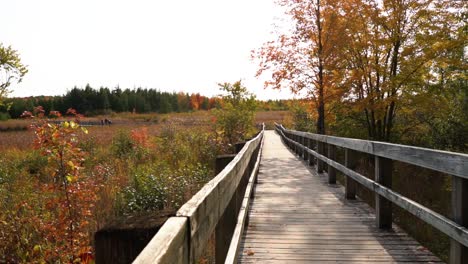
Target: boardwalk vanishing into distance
point(297, 217)
point(273, 202)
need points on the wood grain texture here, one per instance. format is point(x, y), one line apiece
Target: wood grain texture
point(455, 231)
point(444, 161)
point(297, 217)
point(242, 221)
point(169, 245)
point(206, 207)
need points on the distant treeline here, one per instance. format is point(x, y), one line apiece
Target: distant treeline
point(90, 101)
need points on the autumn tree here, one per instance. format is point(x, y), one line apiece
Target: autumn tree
point(305, 57)
point(70, 194)
point(391, 51)
point(11, 70)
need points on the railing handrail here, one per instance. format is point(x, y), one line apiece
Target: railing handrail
point(183, 238)
point(452, 163)
point(303, 144)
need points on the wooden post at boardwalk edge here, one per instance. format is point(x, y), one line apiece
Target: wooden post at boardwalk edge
point(303, 152)
point(458, 252)
point(383, 207)
point(306, 144)
point(320, 163)
point(227, 223)
point(312, 157)
point(350, 162)
point(331, 169)
point(296, 148)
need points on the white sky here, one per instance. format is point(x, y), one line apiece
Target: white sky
point(182, 45)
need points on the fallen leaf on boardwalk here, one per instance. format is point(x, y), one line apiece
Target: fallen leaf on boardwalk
point(250, 252)
point(422, 249)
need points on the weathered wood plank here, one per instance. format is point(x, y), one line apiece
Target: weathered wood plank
point(459, 252)
point(350, 184)
point(331, 170)
point(383, 207)
point(297, 216)
point(443, 224)
point(205, 208)
point(234, 246)
point(444, 161)
point(169, 245)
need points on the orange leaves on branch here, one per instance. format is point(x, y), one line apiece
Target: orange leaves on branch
point(71, 195)
point(140, 137)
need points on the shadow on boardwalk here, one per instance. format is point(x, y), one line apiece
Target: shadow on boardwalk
point(297, 217)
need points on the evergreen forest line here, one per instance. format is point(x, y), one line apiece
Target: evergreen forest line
point(91, 102)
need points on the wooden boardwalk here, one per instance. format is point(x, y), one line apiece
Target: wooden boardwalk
point(297, 217)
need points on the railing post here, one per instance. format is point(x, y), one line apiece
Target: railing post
point(302, 152)
point(296, 139)
point(383, 207)
point(227, 222)
point(458, 252)
point(320, 163)
point(331, 170)
point(311, 157)
point(350, 162)
point(306, 144)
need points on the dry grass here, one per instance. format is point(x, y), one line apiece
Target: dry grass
point(270, 117)
point(22, 138)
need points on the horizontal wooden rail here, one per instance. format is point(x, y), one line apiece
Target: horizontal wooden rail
point(183, 238)
point(233, 253)
point(443, 161)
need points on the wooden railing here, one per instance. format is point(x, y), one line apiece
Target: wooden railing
point(311, 147)
point(215, 209)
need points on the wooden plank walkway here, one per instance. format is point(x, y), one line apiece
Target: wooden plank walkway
point(297, 217)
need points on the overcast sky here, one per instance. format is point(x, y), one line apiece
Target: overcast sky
point(182, 45)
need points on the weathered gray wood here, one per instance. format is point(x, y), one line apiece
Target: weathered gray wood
point(443, 224)
point(443, 161)
point(227, 221)
point(203, 212)
point(225, 229)
point(311, 157)
point(307, 144)
point(331, 170)
point(169, 245)
point(350, 184)
point(459, 252)
point(450, 228)
point(320, 164)
point(304, 153)
point(207, 206)
point(235, 242)
point(383, 207)
point(297, 216)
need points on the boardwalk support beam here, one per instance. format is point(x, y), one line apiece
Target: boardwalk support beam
point(331, 170)
point(459, 252)
point(350, 184)
point(383, 207)
point(320, 163)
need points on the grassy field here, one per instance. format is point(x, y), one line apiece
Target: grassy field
point(16, 133)
point(139, 164)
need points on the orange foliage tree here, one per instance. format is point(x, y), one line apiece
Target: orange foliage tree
point(70, 194)
point(305, 58)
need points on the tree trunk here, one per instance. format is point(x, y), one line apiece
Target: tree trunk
point(320, 83)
